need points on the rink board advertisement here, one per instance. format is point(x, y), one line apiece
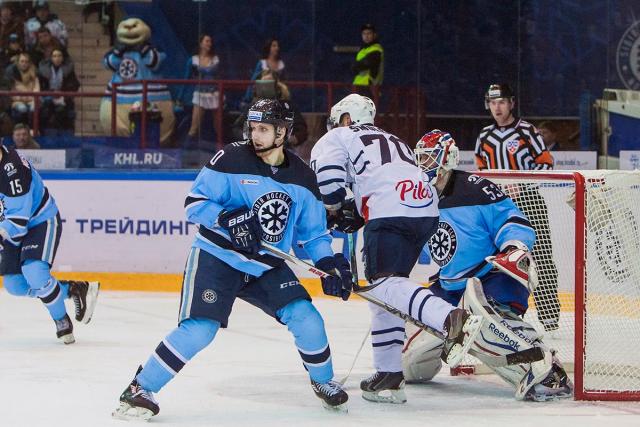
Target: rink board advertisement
point(131, 227)
point(563, 160)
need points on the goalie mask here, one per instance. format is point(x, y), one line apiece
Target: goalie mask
point(361, 109)
point(273, 112)
point(436, 151)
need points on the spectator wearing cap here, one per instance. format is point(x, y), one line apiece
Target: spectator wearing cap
point(22, 138)
point(44, 18)
point(9, 25)
point(9, 54)
point(369, 64)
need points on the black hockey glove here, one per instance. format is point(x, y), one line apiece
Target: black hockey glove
point(244, 229)
point(340, 281)
point(346, 219)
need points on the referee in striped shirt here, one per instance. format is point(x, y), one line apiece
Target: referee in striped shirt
point(515, 144)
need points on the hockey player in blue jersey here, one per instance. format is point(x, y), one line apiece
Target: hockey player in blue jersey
point(251, 192)
point(482, 247)
point(30, 230)
point(398, 208)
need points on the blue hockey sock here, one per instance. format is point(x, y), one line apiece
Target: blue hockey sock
point(44, 286)
point(306, 325)
point(175, 351)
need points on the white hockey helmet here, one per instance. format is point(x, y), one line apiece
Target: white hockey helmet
point(361, 109)
point(436, 151)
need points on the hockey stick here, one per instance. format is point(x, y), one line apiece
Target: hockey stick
point(354, 270)
point(517, 358)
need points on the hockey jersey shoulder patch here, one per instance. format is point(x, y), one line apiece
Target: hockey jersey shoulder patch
point(16, 174)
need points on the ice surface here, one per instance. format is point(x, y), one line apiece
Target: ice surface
point(250, 376)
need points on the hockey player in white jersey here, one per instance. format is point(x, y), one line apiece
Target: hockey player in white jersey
point(400, 210)
point(483, 248)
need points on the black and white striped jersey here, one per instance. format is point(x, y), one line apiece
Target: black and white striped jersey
point(380, 169)
point(517, 146)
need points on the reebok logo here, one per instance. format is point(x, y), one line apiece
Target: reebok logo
point(504, 337)
point(517, 333)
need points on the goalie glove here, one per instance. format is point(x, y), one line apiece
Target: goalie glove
point(516, 261)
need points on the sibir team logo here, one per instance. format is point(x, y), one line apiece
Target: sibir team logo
point(209, 296)
point(443, 244)
point(128, 69)
point(414, 194)
point(512, 146)
point(628, 57)
point(273, 210)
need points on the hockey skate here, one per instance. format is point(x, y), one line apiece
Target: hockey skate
point(64, 330)
point(332, 395)
point(136, 403)
point(84, 296)
point(384, 387)
point(462, 328)
point(555, 386)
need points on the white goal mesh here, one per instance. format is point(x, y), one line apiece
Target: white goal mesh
point(590, 295)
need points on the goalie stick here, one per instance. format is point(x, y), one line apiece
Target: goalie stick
point(516, 358)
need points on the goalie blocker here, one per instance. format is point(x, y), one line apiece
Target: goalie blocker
point(541, 380)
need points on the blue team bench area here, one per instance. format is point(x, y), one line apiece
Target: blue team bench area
point(69, 152)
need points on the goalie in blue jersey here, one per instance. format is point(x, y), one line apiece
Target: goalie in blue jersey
point(251, 192)
point(482, 247)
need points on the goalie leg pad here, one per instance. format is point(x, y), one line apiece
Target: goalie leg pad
point(420, 355)
point(505, 335)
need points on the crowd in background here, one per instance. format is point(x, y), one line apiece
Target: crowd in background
point(34, 58)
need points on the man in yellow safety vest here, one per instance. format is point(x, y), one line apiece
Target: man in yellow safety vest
point(369, 64)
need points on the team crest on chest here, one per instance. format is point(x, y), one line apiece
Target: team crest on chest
point(512, 146)
point(273, 210)
point(443, 244)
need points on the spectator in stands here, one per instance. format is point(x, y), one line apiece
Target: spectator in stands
point(23, 78)
point(45, 45)
point(58, 74)
point(22, 138)
point(203, 66)
point(9, 25)
point(9, 54)
point(44, 18)
point(369, 64)
point(270, 61)
point(549, 134)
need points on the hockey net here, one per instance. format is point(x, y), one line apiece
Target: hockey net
point(587, 304)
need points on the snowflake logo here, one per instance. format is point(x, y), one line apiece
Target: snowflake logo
point(273, 212)
point(209, 296)
point(128, 69)
point(443, 244)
